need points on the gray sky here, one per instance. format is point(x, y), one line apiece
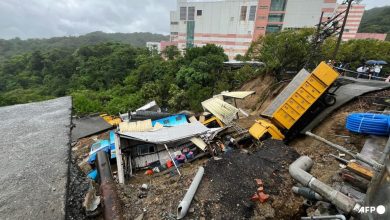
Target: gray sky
point(48, 18)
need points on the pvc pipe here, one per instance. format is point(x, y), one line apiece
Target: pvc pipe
point(186, 202)
point(338, 147)
point(341, 217)
point(298, 171)
point(358, 156)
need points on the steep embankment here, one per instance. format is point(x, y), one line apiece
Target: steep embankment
point(266, 88)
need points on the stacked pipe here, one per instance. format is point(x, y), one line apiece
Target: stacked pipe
point(369, 123)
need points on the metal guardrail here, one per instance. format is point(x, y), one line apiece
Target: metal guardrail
point(360, 73)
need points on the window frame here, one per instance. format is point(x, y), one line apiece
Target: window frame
point(183, 13)
point(191, 12)
point(142, 147)
point(243, 12)
point(252, 13)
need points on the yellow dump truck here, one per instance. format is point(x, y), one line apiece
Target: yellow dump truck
point(302, 99)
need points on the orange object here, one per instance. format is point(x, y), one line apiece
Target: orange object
point(169, 163)
point(260, 195)
point(149, 172)
point(263, 197)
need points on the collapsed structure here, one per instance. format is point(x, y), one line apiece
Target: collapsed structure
point(149, 145)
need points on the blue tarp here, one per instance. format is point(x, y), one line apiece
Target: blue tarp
point(98, 146)
point(172, 121)
point(112, 144)
point(93, 175)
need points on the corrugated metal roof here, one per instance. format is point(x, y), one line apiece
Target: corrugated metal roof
point(222, 110)
point(167, 134)
point(237, 94)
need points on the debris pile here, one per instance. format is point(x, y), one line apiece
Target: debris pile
point(232, 181)
point(152, 158)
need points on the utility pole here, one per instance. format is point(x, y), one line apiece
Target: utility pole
point(342, 28)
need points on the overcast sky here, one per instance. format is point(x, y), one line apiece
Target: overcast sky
point(48, 18)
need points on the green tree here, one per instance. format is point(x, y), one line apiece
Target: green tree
point(284, 51)
point(171, 52)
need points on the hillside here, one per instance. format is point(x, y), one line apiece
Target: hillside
point(376, 20)
point(16, 46)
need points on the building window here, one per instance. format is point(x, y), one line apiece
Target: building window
point(174, 23)
point(252, 13)
point(263, 7)
point(273, 28)
point(174, 33)
point(146, 149)
point(198, 12)
point(243, 13)
point(275, 17)
point(278, 5)
point(183, 13)
point(191, 13)
point(261, 18)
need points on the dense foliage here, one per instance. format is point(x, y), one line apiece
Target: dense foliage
point(115, 77)
point(290, 51)
point(376, 20)
point(16, 46)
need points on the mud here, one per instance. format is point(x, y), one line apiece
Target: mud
point(232, 183)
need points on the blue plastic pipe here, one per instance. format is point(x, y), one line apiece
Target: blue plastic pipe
point(369, 123)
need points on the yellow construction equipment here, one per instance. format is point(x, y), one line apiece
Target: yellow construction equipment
point(212, 119)
point(112, 120)
point(287, 113)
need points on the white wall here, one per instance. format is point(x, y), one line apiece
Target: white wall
point(304, 13)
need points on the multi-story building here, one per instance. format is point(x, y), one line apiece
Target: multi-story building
point(353, 21)
point(154, 46)
point(233, 24)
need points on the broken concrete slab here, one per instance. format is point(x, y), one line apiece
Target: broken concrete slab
point(34, 159)
point(87, 126)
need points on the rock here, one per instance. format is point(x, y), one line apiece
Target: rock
point(140, 217)
point(144, 186)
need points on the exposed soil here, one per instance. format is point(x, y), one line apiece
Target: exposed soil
point(163, 195)
point(225, 190)
point(232, 183)
point(333, 129)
